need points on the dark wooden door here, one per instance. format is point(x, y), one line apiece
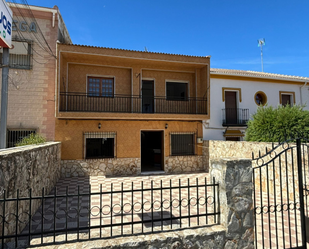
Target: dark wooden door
point(230, 108)
point(148, 96)
point(286, 99)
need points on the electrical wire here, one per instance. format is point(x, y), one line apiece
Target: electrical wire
point(33, 34)
point(23, 38)
point(27, 5)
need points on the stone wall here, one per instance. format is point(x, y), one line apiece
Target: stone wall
point(101, 167)
point(127, 166)
point(265, 176)
point(236, 202)
point(213, 149)
point(183, 164)
point(28, 167)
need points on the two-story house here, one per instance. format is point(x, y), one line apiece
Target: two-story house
point(123, 112)
point(32, 80)
point(238, 95)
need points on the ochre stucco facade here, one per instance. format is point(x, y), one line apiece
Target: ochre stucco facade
point(78, 113)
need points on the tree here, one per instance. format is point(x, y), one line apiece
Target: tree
point(271, 124)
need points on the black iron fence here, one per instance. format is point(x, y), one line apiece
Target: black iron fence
point(235, 116)
point(280, 178)
point(147, 208)
point(82, 102)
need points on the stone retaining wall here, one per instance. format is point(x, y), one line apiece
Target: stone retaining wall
point(101, 167)
point(183, 164)
point(213, 149)
point(265, 178)
point(127, 166)
point(27, 167)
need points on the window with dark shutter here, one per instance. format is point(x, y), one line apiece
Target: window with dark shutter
point(182, 144)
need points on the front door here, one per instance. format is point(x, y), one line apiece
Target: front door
point(148, 96)
point(152, 150)
point(230, 108)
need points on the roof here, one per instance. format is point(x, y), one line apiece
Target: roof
point(139, 51)
point(255, 74)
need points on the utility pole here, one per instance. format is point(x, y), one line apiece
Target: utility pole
point(4, 97)
point(5, 43)
point(261, 43)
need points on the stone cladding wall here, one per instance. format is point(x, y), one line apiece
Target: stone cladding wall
point(101, 167)
point(236, 203)
point(183, 164)
point(265, 180)
point(127, 166)
point(23, 168)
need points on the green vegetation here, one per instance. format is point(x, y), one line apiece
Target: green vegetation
point(271, 124)
point(31, 139)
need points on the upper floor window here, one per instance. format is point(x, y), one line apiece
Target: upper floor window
point(20, 55)
point(176, 91)
point(100, 86)
point(287, 98)
point(260, 98)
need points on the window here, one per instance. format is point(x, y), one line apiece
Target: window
point(100, 145)
point(260, 98)
point(287, 98)
point(100, 86)
point(176, 91)
point(182, 144)
point(16, 135)
point(20, 55)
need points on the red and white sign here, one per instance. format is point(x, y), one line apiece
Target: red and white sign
point(5, 25)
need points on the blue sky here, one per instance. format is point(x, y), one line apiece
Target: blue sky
point(227, 30)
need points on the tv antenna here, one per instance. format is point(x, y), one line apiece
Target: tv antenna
point(261, 43)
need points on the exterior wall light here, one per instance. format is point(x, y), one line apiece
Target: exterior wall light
point(166, 126)
point(99, 126)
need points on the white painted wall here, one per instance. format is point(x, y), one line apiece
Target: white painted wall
point(215, 129)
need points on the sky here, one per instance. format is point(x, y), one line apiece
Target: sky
point(225, 29)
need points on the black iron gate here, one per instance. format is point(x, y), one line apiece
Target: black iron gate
point(280, 179)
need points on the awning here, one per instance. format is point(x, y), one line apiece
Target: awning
point(233, 133)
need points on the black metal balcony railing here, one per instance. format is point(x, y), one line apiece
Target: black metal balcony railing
point(80, 102)
point(235, 116)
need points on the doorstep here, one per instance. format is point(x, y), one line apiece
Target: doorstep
point(158, 172)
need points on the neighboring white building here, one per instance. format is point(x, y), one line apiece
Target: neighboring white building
point(236, 94)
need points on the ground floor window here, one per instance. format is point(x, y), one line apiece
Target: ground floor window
point(182, 143)
point(100, 145)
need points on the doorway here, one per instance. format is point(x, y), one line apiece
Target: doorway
point(152, 151)
point(148, 96)
point(230, 108)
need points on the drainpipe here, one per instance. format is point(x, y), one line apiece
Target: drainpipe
point(301, 98)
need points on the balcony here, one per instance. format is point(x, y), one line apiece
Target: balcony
point(81, 102)
point(235, 117)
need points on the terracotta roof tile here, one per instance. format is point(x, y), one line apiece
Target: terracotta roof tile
point(120, 49)
point(256, 74)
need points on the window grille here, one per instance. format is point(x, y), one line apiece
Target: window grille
point(182, 143)
point(16, 135)
point(99, 145)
